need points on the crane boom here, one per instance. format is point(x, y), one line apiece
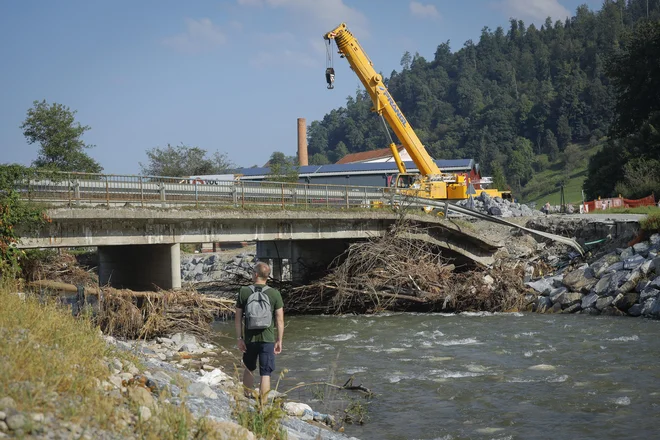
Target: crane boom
point(384, 104)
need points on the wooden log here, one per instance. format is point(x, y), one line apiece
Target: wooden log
point(62, 287)
point(94, 291)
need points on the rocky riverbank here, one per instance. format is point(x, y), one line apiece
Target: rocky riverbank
point(623, 282)
point(177, 370)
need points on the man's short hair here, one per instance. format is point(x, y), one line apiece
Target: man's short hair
point(262, 270)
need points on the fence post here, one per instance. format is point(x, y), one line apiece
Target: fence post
point(327, 197)
point(346, 196)
point(282, 195)
point(196, 197)
point(366, 203)
point(141, 193)
point(161, 187)
point(70, 183)
point(242, 195)
point(306, 195)
point(107, 192)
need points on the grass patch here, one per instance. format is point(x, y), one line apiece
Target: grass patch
point(262, 416)
point(544, 185)
point(651, 224)
point(52, 363)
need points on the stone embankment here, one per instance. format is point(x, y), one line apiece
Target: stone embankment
point(178, 368)
point(499, 207)
point(624, 282)
point(212, 267)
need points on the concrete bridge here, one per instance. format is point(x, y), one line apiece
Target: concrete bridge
point(139, 248)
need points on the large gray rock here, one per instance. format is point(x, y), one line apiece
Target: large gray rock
point(648, 293)
point(604, 302)
point(624, 301)
point(544, 286)
point(494, 210)
point(635, 310)
point(631, 282)
point(655, 308)
point(633, 262)
point(603, 286)
point(627, 253)
point(572, 308)
point(642, 248)
point(589, 300)
point(646, 306)
point(581, 279)
point(656, 282)
point(542, 304)
point(567, 299)
point(615, 267)
point(599, 266)
point(642, 285)
point(646, 267)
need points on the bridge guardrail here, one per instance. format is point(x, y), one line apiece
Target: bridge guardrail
point(109, 189)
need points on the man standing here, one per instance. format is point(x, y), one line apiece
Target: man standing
point(259, 343)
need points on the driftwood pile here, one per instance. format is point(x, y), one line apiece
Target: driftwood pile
point(150, 314)
point(400, 272)
point(129, 314)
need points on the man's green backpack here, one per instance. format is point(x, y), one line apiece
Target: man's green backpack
point(258, 313)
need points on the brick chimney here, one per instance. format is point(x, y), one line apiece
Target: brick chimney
point(302, 142)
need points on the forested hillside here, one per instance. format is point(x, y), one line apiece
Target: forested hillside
point(516, 100)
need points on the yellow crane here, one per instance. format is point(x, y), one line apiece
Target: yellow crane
point(431, 182)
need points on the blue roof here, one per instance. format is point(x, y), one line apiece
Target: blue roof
point(443, 164)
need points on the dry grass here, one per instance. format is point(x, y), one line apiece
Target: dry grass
point(53, 363)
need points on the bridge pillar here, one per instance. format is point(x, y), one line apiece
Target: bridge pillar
point(140, 267)
point(297, 260)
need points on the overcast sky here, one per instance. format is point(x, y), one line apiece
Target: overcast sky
point(224, 75)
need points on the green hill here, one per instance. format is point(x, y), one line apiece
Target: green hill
point(545, 185)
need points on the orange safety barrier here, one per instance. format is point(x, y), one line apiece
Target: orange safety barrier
point(617, 202)
point(646, 201)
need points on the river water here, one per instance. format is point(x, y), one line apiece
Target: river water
point(483, 376)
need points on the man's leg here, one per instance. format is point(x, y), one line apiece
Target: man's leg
point(266, 367)
point(248, 381)
point(250, 364)
point(264, 387)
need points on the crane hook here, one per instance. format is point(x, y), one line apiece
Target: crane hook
point(330, 77)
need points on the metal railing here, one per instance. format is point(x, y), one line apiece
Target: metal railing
point(116, 190)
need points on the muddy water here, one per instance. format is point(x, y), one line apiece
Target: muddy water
point(476, 376)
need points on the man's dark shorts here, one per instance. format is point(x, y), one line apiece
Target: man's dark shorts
point(265, 352)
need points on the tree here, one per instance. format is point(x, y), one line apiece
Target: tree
point(570, 158)
point(635, 133)
point(564, 134)
point(635, 73)
point(340, 151)
point(641, 178)
point(499, 181)
point(54, 128)
point(14, 214)
point(282, 168)
point(550, 144)
point(184, 160)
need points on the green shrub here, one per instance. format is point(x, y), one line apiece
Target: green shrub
point(651, 224)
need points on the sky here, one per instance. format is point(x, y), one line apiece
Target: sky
point(231, 76)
